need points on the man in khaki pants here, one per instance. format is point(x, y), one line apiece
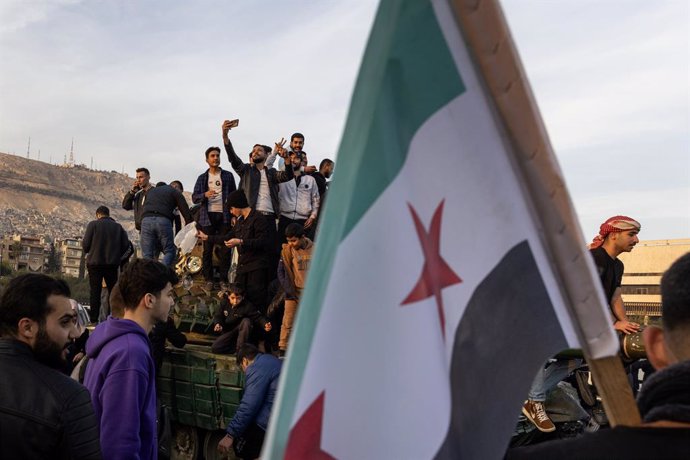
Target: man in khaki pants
point(295, 258)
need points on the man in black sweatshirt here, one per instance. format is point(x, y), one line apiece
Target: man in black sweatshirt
point(157, 222)
point(104, 243)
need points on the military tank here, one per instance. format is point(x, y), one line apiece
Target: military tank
point(201, 389)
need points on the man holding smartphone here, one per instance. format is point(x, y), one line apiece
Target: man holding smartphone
point(212, 190)
point(260, 186)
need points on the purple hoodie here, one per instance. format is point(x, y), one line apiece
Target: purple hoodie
point(120, 375)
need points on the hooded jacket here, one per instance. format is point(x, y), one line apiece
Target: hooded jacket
point(121, 378)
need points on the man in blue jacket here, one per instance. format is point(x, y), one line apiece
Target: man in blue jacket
point(120, 373)
point(212, 190)
point(247, 429)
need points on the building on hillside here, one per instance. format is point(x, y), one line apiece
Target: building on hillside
point(70, 253)
point(644, 267)
point(24, 252)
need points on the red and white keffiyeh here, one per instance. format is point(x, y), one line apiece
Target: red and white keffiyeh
point(612, 225)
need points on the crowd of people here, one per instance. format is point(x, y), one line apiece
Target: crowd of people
point(271, 219)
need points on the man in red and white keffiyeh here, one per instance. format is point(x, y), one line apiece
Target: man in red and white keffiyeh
point(617, 235)
point(615, 224)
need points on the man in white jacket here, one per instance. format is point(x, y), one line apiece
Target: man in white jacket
point(299, 199)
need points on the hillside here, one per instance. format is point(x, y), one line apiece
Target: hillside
point(40, 199)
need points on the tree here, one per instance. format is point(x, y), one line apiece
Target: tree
point(15, 251)
point(53, 264)
point(5, 269)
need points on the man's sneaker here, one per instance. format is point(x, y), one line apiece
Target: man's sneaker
point(535, 413)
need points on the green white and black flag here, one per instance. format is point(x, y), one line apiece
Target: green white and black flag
point(434, 294)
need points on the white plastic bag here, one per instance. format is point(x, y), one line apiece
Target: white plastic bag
point(186, 238)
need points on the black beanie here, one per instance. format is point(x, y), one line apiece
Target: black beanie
point(237, 200)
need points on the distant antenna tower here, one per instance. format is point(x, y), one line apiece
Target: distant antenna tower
point(28, 148)
point(91, 162)
point(39, 154)
point(71, 154)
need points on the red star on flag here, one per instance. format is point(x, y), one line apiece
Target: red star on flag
point(436, 273)
point(305, 436)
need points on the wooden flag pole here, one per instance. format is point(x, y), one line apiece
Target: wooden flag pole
point(487, 36)
point(614, 389)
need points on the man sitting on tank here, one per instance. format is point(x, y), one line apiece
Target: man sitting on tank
point(239, 321)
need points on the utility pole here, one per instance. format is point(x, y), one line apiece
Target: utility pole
point(28, 148)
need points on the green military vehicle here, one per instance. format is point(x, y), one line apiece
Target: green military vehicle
point(201, 389)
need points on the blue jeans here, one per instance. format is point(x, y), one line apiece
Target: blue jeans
point(156, 235)
point(547, 379)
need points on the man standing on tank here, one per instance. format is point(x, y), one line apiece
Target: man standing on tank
point(212, 190)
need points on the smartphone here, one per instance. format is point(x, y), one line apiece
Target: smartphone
point(234, 123)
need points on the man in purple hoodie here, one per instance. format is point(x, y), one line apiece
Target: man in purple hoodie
point(121, 373)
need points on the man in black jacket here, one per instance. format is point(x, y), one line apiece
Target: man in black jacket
point(250, 235)
point(260, 186)
point(157, 222)
point(105, 242)
point(136, 197)
point(43, 413)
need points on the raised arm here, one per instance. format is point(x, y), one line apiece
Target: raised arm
point(237, 164)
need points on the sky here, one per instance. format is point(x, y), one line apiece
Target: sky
point(149, 84)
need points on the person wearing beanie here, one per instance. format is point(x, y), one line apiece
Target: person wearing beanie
point(250, 236)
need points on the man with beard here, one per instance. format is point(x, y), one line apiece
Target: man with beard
point(617, 235)
point(299, 199)
point(260, 186)
point(121, 374)
point(663, 401)
point(43, 413)
point(322, 175)
point(135, 198)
